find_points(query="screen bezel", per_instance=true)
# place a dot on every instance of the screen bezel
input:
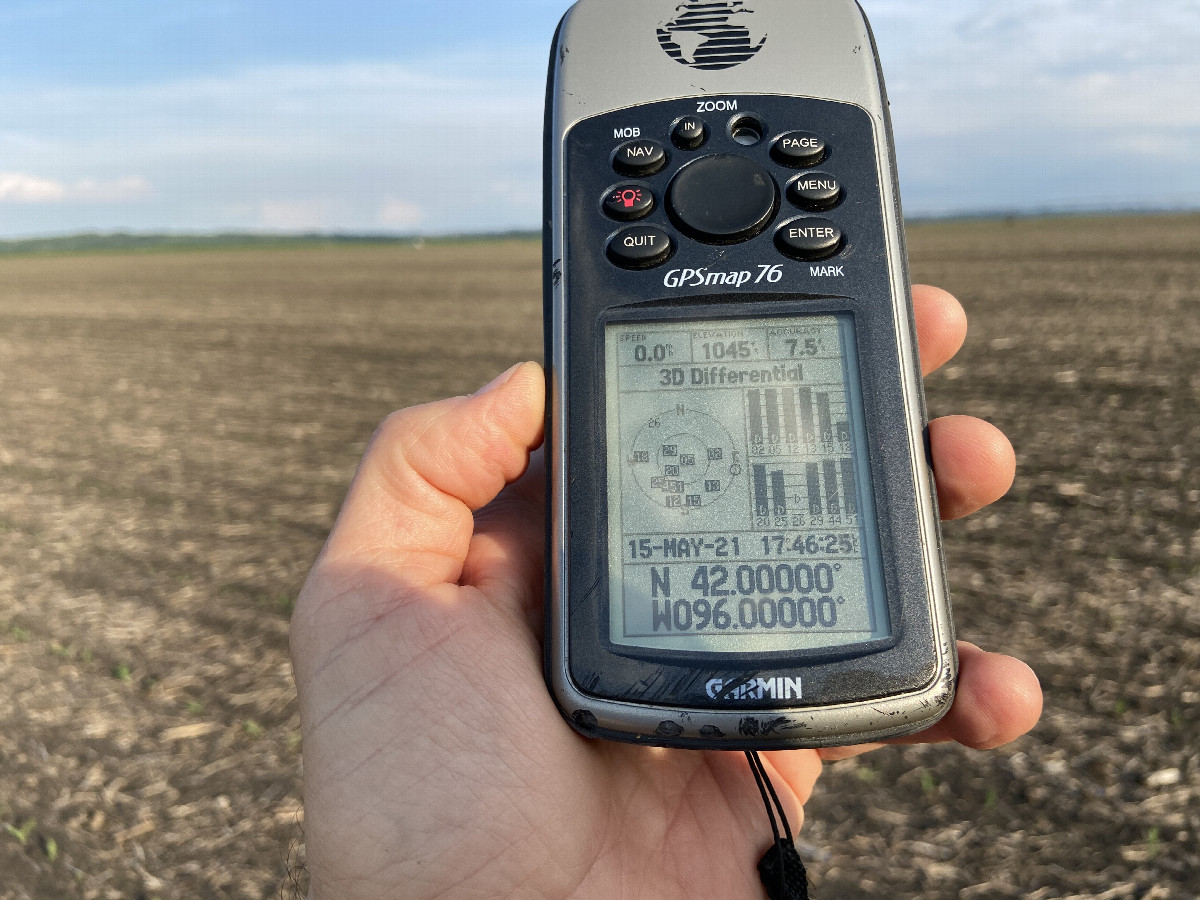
(902, 662)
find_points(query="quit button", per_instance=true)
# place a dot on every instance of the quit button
(639, 247)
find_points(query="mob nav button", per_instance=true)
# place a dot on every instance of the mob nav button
(639, 247)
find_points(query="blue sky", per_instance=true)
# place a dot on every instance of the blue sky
(405, 116)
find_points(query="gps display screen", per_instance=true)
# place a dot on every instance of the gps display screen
(740, 512)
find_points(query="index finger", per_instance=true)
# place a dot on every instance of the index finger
(941, 325)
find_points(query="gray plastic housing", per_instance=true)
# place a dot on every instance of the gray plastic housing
(608, 57)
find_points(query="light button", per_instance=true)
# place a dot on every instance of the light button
(628, 201)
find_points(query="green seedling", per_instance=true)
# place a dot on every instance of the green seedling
(1153, 842)
(252, 728)
(121, 672)
(928, 783)
(22, 833)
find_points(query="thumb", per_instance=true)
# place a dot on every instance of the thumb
(425, 470)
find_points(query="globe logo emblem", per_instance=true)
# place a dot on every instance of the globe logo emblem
(710, 35)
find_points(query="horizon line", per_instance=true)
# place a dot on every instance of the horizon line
(135, 237)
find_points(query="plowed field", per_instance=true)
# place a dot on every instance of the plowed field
(177, 430)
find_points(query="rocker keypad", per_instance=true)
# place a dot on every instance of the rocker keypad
(721, 195)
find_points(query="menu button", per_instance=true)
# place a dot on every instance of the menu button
(815, 191)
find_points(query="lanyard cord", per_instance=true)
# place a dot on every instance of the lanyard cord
(781, 869)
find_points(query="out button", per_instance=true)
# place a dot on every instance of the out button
(639, 247)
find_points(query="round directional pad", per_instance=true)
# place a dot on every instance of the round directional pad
(722, 198)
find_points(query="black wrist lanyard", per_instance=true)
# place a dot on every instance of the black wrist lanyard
(781, 869)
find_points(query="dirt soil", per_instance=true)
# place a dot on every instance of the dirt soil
(177, 430)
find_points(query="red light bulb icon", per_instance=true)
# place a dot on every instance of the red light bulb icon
(628, 201)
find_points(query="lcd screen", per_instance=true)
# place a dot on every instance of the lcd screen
(741, 517)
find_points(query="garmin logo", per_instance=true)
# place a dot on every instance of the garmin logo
(710, 35)
(753, 689)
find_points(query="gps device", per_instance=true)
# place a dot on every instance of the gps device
(743, 540)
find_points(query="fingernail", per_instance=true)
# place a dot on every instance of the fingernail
(500, 380)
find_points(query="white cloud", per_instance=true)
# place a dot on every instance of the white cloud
(517, 195)
(345, 147)
(118, 190)
(285, 101)
(1137, 144)
(400, 214)
(1015, 105)
(19, 187)
(290, 216)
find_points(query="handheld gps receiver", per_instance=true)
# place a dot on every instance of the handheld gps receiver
(743, 544)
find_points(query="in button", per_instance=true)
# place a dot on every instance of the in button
(688, 133)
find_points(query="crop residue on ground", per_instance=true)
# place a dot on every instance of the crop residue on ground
(177, 430)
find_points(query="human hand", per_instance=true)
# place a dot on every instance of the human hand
(435, 761)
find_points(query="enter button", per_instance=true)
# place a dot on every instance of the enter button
(808, 238)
